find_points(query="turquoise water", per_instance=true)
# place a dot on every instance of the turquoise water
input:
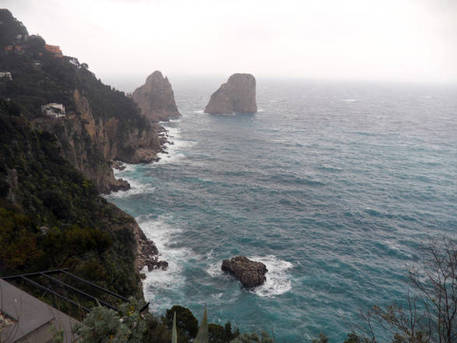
(334, 186)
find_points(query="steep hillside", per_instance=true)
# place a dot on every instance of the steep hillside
(99, 124)
(60, 128)
(51, 216)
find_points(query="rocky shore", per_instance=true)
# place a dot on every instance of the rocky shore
(147, 254)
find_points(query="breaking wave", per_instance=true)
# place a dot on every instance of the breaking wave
(278, 279)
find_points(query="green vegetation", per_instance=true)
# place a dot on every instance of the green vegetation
(52, 217)
(105, 325)
(174, 331)
(202, 335)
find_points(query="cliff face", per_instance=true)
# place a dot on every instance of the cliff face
(237, 95)
(51, 216)
(90, 143)
(101, 124)
(156, 98)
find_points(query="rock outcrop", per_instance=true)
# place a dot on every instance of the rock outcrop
(237, 95)
(147, 253)
(89, 143)
(156, 98)
(250, 273)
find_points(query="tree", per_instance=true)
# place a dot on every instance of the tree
(437, 283)
(431, 311)
(186, 322)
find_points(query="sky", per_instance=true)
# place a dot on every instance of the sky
(388, 40)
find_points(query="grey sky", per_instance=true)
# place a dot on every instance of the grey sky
(405, 40)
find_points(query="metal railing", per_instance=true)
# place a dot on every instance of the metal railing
(27, 277)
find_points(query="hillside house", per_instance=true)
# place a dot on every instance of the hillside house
(6, 75)
(54, 49)
(53, 110)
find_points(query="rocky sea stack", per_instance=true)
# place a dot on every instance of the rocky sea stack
(237, 95)
(250, 273)
(156, 98)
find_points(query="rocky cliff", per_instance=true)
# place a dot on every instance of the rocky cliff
(101, 124)
(237, 95)
(156, 98)
(51, 216)
(91, 143)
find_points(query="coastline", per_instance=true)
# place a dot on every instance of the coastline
(147, 253)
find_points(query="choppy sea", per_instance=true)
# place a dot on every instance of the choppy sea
(336, 187)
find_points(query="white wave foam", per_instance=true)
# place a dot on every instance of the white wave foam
(198, 112)
(135, 186)
(164, 236)
(170, 121)
(349, 100)
(127, 168)
(174, 149)
(215, 270)
(278, 280)
(260, 110)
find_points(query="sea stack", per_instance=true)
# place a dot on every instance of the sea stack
(237, 95)
(156, 98)
(250, 273)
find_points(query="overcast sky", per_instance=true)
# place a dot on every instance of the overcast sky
(404, 40)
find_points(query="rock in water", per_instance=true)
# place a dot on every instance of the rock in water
(156, 98)
(250, 273)
(237, 95)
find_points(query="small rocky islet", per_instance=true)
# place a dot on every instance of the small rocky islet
(237, 95)
(156, 98)
(250, 273)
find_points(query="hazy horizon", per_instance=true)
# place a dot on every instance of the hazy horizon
(399, 41)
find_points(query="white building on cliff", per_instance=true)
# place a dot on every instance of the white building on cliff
(53, 110)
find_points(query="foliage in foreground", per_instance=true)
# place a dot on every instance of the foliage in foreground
(430, 313)
(105, 325)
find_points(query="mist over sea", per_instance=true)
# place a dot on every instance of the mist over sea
(336, 187)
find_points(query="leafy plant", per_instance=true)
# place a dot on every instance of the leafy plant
(186, 323)
(202, 335)
(105, 325)
(174, 332)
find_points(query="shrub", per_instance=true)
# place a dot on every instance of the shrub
(105, 325)
(186, 323)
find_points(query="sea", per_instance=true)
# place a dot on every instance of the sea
(336, 186)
